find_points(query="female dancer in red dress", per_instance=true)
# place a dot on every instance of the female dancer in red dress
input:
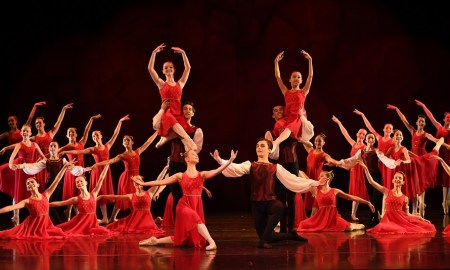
(294, 99)
(85, 222)
(426, 168)
(190, 226)
(100, 152)
(69, 188)
(314, 162)
(327, 217)
(132, 160)
(384, 143)
(357, 184)
(443, 131)
(396, 217)
(171, 90)
(26, 152)
(140, 220)
(13, 135)
(38, 224)
(44, 138)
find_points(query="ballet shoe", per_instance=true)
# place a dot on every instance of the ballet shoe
(149, 242)
(102, 221)
(211, 246)
(112, 220)
(15, 220)
(264, 245)
(354, 218)
(161, 142)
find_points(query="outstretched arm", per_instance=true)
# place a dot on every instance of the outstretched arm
(116, 131)
(101, 178)
(212, 173)
(187, 66)
(70, 201)
(444, 164)
(369, 177)
(151, 66)
(115, 197)
(83, 139)
(367, 123)
(58, 178)
(402, 117)
(280, 83)
(33, 111)
(108, 161)
(436, 124)
(55, 128)
(310, 73)
(147, 143)
(343, 131)
(169, 180)
(13, 207)
(344, 195)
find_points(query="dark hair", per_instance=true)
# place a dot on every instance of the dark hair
(421, 116)
(330, 174)
(40, 117)
(129, 136)
(269, 143)
(322, 135)
(190, 103)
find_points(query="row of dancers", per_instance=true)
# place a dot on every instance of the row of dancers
(275, 188)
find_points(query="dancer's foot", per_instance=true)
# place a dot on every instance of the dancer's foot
(112, 220)
(161, 142)
(149, 242)
(265, 245)
(102, 221)
(158, 220)
(274, 147)
(189, 144)
(354, 218)
(212, 245)
(15, 220)
(67, 214)
(422, 209)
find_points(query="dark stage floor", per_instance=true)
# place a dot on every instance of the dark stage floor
(236, 240)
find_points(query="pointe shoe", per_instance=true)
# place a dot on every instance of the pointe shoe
(445, 206)
(161, 142)
(211, 246)
(354, 218)
(149, 242)
(16, 220)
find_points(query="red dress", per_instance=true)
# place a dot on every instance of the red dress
(140, 220)
(327, 217)
(69, 188)
(44, 144)
(357, 183)
(125, 185)
(173, 114)
(107, 187)
(412, 186)
(189, 213)
(37, 225)
(386, 173)
(314, 163)
(294, 100)
(168, 220)
(6, 174)
(396, 221)
(85, 222)
(26, 154)
(444, 153)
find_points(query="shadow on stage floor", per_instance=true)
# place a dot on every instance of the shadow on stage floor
(236, 240)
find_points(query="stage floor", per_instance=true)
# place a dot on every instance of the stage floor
(236, 241)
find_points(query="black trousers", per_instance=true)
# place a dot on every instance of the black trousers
(287, 198)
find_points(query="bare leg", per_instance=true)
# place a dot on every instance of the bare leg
(153, 241)
(421, 204)
(184, 136)
(163, 140)
(283, 136)
(203, 231)
(354, 209)
(414, 206)
(444, 199)
(104, 219)
(114, 215)
(68, 212)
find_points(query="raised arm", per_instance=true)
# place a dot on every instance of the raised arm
(343, 131)
(147, 143)
(83, 139)
(368, 124)
(310, 73)
(280, 83)
(436, 124)
(33, 111)
(151, 66)
(116, 131)
(57, 125)
(212, 173)
(100, 180)
(402, 117)
(58, 178)
(187, 66)
(372, 182)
